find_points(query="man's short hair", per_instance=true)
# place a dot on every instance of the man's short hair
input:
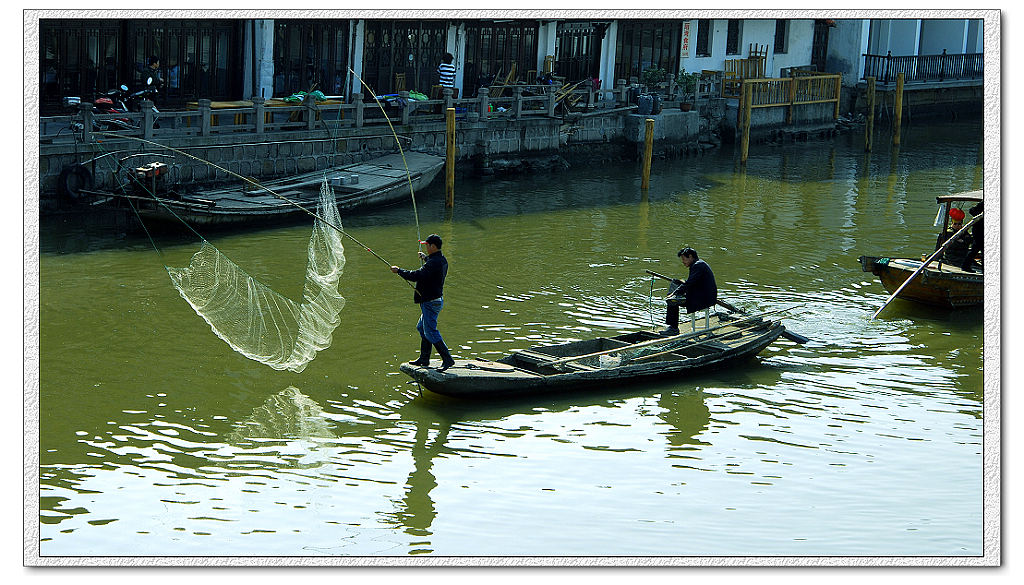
(688, 252)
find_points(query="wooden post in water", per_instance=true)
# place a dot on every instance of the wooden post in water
(449, 166)
(869, 128)
(897, 116)
(748, 94)
(645, 180)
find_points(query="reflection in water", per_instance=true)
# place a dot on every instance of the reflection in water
(191, 455)
(289, 414)
(687, 414)
(416, 510)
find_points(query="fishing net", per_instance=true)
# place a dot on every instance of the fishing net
(256, 321)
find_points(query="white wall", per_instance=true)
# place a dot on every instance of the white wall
(264, 59)
(975, 37)
(942, 34)
(847, 42)
(752, 32)
(607, 66)
(897, 36)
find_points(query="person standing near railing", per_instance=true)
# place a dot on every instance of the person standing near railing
(446, 71)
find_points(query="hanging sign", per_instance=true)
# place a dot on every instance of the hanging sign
(684, 52)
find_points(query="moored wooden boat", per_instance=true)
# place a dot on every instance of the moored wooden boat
(602, 362)
(356, 186)
(940, 283)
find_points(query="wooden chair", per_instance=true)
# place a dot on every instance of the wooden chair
(399, 82)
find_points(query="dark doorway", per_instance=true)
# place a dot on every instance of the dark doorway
(310, 55)
(647, 44)
(397, 52)
(819, 46)
(578, 50)
(493, 48)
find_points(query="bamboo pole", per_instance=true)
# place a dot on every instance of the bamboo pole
(674, 338)
(869, 128)
(839, 91)
(745, 141)
(449, 173)
(897, 117)
(792, 98)
(703, 341)
(645, 180)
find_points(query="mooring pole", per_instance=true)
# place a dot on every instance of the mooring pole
(645, 180)
(869, 128)
(748, 95)
(449, 165)
(897, 116)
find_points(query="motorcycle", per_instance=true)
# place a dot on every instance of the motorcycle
(115, 101)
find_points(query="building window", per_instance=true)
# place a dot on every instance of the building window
(704, 37)
(310, 55)
(496, 51)
(781, 36)
(647, 44)
(732, 40)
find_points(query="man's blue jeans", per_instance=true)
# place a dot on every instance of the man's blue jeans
(427, 325)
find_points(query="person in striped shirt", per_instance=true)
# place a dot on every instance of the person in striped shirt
(446, 71)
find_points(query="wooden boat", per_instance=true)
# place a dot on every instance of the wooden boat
(939, 284)
(376, 182)
(604, 361)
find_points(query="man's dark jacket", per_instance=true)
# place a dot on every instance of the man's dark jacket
(429, 278)
(700, 288)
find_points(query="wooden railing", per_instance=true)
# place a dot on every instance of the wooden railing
(734, 71)
(793, 91)
(925, 68)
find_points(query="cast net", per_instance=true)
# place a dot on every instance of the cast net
(259, 323)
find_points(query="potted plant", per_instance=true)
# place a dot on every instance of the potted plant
(688, 88)
(652, 76)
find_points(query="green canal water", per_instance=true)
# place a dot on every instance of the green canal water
(156, 439)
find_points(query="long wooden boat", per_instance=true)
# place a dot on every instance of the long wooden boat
(940, 284)
(362, 185)
(604, 361)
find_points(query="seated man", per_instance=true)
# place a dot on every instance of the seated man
(700, 290)
(956, 251)
(978, 238)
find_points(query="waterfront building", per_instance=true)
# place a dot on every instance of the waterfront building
(233, 59)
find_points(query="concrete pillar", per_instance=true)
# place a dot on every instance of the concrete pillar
(259, 107)
(484, 96)
(357, 99)
(148, 118)
(204, 117)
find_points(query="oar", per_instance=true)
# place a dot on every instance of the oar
(927, 262)
(680, 337)
(795, 337)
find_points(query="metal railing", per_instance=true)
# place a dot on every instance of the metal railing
(925, 68)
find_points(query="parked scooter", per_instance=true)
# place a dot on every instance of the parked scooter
(134, 101)
(115, 101)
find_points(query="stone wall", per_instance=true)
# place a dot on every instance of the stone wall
(274, 155)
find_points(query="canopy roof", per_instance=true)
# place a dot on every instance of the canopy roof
(972, 196)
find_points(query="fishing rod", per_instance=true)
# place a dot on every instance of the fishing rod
(401, 151)
(795, 337)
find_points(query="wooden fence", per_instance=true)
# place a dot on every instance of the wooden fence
(793, 91)
(734, 71)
